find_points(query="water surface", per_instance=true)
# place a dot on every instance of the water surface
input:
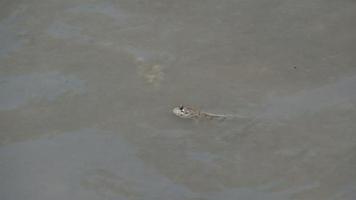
(87, 88)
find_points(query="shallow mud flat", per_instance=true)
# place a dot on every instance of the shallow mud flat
(87, 90)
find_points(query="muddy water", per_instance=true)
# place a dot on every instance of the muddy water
(87, 88)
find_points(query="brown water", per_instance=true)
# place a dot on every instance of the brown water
(87, 88)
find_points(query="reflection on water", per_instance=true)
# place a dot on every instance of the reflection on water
(105, 182)
(87, 89)
(22, 89)
(98, 164)
(85, 160)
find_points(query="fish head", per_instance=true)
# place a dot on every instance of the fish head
(185, 112)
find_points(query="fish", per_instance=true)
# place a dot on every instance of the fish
(189, 112)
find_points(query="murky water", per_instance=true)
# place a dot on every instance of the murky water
(87, 88)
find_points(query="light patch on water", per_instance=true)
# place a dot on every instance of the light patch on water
(347, 193)
(204, 157)
(11, 33)
(62, 30)
(259, 193)
(246, 193)
(341, 93)
(18, 90)
(104, 8)
(153, 74)
(95, 164)
(150, 64)
(144, 55)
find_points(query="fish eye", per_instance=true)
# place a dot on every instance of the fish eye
(181, 107)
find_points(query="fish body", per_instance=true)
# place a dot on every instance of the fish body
(188, 112)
